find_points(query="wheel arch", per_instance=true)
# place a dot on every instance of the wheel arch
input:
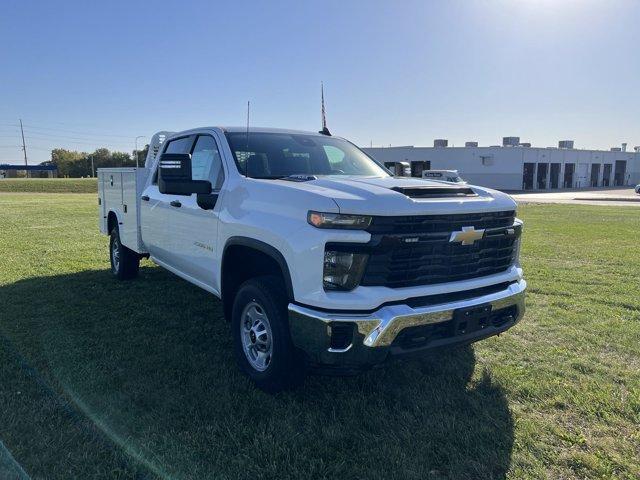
(113, 220)
(262, 255)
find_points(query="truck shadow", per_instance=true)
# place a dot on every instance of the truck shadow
(149, 364)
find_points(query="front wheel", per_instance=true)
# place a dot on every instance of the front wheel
(124, 261)
(262, 342)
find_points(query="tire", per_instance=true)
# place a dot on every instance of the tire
(124, 262)
(267, 356)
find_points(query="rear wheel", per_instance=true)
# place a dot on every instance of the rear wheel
(262, 342)
(124, 261)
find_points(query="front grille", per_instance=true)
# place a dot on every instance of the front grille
(440, 223)
(410, 251)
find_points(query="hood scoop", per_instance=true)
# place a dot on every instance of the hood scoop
(435, 192)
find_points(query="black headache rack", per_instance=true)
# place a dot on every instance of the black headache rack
(435, 192)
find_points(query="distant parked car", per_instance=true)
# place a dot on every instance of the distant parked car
(638, 189)
(398, 169)
(443, 175)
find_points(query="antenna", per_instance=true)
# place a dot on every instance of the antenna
(246, 167)
(325, 130)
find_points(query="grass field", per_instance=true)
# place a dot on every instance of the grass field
(101, 379)
(49, 185)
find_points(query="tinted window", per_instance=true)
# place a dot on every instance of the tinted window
(206, 163)
(179, 145)
(277, 155)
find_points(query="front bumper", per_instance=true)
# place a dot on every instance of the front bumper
(377, 335)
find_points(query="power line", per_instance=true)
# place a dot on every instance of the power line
(91, 144)
(66, 137)
(40, 148)
(76, 132)
(37, 132)
(82, 125)
(72, 142)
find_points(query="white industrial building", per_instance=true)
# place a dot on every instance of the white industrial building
(518, 166)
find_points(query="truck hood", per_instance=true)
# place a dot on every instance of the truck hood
(375, 196)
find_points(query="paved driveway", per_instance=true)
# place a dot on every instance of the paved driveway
(610, 196)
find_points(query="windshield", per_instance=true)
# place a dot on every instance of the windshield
(277, 155)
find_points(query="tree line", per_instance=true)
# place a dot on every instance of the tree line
(75, 164)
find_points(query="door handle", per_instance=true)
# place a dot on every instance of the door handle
(175, 203)
(145, 198)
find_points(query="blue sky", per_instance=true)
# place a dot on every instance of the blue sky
(88, 74)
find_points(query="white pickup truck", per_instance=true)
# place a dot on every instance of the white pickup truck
(321, 258)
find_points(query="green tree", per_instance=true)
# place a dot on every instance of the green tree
(142, 155)
(77, 164)
(66, 161)
(122, 159)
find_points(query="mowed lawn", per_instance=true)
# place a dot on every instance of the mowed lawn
(49, 185)
(103, 379)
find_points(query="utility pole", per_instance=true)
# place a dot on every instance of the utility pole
(93, 171)
(24, 147)
(139, 136)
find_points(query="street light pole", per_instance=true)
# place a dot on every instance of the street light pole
(136, 150)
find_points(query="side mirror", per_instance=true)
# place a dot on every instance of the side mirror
(174, 176)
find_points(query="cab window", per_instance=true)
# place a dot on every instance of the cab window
(179, 145)
(206, 163)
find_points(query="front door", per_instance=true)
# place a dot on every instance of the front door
(156, 209)
(194, 230)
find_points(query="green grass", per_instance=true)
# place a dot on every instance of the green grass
(49, 185)
(103, 379)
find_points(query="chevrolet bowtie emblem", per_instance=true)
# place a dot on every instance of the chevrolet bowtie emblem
(467, 235)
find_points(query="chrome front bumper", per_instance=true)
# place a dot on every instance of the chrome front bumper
(375, 332)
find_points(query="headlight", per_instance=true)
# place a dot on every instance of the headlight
(516, 256)
(343, 270)
(337, 220)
